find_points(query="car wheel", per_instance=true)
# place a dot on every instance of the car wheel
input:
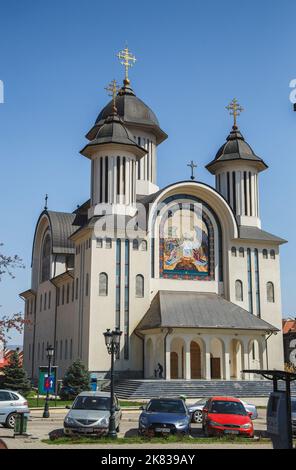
(10, 420)
(197, 417)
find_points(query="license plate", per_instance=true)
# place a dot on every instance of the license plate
(231, 432)
(162, 430)
(85, 430)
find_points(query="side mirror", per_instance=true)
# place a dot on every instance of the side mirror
(250, 414)
(68, 407)
(205, 410)
(142, 408)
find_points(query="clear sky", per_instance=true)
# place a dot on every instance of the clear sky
(193, 57)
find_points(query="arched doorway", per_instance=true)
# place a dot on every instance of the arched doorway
(174, 365)
(195, 360)
(217, 358)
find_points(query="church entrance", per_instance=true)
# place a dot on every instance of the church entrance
(215, 368)
(174, 365)
(195, 359)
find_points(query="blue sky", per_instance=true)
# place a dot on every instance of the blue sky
(193, 57)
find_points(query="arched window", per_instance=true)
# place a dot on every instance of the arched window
(272, 254)
(233, 251)
(139, 285)
(143, 245)
(270, 292)
(135, 244)
(108, 243)
(103, 284)
(241, 252)
(265, 254)
(45, 258)
(238, 290)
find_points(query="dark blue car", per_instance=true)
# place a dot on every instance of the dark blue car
(164, 416)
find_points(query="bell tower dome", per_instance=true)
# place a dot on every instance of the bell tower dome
(236, 168)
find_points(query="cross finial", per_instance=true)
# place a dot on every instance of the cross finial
(192, 165)
(45, 202)
(234, 109)
(112, 90)
(127, 59)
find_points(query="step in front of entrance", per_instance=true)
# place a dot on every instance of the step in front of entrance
(137, 389)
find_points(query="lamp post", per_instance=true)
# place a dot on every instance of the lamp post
(112, 340)
(50, 353)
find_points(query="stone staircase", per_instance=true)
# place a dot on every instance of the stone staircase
(145, 389)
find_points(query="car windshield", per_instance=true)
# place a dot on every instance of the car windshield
(166, 406)
(227, 407)
(91, 403)
(200, 402)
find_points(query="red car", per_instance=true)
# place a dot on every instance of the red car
(226, 415)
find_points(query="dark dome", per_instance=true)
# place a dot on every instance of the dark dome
(133, 111)
(235, 148)
(112, 131)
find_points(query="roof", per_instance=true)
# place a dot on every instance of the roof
(175, 309)
(236, 148)
(133, 111)
(94, 394)
(112, 131)
(61, 228)
(255, 233)
(289, 325)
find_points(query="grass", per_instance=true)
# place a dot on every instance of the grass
(33, 403)
(154, 440)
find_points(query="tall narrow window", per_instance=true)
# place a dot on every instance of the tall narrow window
(66, 349)
(135, 244)
(76, 288)
(58, 296)
(106, 178)
(265, 254)
(45, 301)
(45, 260)
(245, 193)
(118, 282)
(103, 284)
(68, 292)
(49, 299)
(228, 187)
(152, 258)
(250, 193)
(257, 283)
(86, 284)
(250, 291)
(234, 191)
(101, 179)
(123, 176)
(63, 295)
(108, 243)
(238, 290)
(61, 350)
(241, 252)
(272, 254)
(71, 348)
(73, 290)
(233, 251)
(118, 175)
(270, 292)
(139, 285)
(126, 299)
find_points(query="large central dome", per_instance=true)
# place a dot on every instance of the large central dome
(134, 113)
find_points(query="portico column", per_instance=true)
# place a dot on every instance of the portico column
(207, 358)
(187, 360)
(246, 359)
(168, 359)
(227, 359)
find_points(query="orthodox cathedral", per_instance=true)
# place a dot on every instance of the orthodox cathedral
(185, 272)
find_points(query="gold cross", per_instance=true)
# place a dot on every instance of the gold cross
(112, 90)
(234, 109)
(127, 59)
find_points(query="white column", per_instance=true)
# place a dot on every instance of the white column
(246, 358)
(227, 358)
(187, 360)
(207, 341)
(168, 360)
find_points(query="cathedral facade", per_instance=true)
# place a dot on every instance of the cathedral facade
(185, 272)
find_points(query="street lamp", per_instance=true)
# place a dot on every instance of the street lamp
(50, 353)
(112, 340)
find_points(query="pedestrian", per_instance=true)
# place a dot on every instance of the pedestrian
(160, 371)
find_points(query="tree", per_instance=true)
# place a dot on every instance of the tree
(15, 376)
(15, 321)
(75, 381)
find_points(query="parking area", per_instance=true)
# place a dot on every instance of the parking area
(39, 429)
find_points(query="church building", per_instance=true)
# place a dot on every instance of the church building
(185, 272)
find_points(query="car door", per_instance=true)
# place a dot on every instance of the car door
(6, 405)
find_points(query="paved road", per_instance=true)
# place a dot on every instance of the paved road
(39, 428)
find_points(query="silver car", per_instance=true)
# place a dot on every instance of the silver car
(196, 410)
(11, 402)
(90, 414)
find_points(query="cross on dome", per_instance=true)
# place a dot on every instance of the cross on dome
(127, 59)
(234, 109)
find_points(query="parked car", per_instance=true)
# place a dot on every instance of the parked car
(226, 415)
(293, 407)
(11, 402)
(89, 414)
(195, 410)
(164, 416)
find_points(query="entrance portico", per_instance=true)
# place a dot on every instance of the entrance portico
(192, 346)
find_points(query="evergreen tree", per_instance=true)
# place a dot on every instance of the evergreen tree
(76, 380)
(15, 376)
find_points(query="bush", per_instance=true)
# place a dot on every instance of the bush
(76, 380)
(15, 376)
